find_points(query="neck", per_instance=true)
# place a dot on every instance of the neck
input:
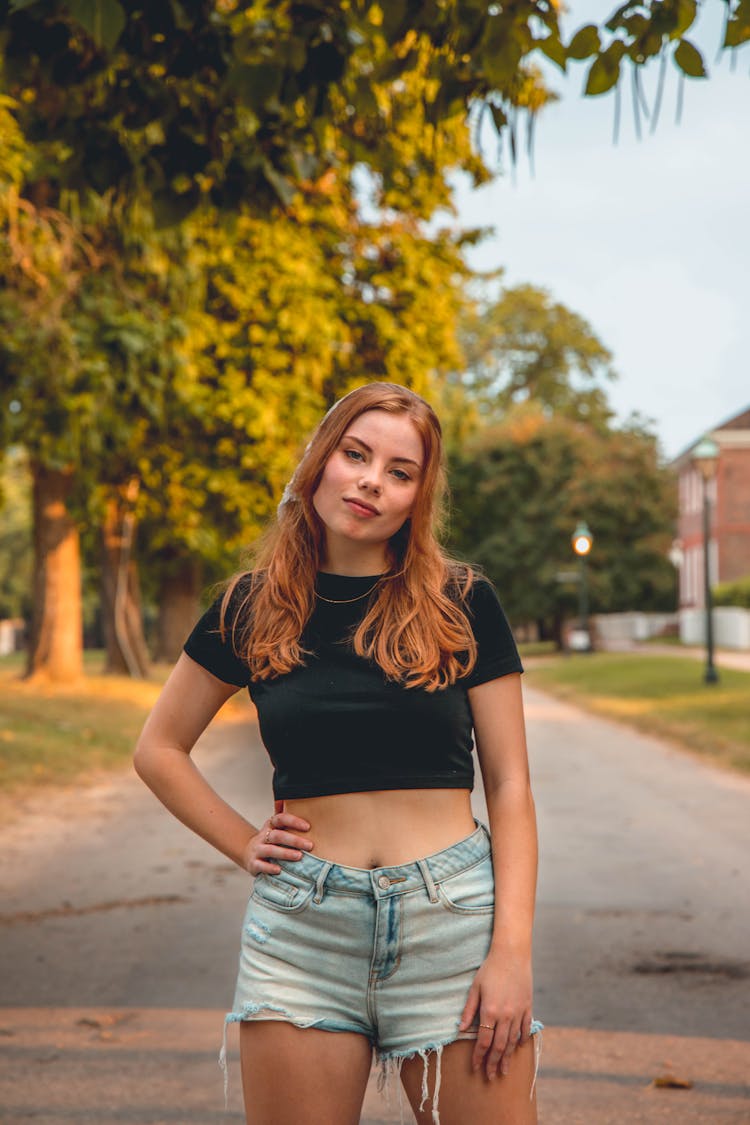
(354, 560)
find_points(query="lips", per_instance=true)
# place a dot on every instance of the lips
(361, 506)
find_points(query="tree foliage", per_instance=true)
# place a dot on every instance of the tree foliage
(15, 535)
(520, 487)
(231, 101)
(279, 317)
(526, 347)
(248, 99)
(194, 358)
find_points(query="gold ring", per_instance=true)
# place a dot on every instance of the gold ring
(268, 835)
(489, 1026)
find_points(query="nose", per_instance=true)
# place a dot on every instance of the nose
(370, 481)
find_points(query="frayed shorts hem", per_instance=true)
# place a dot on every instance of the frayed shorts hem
(389, 1062)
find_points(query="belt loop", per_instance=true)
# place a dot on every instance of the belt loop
(320, 882)
(429, 882)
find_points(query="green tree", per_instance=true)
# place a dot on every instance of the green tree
(196, 362)
(84, 354)
(15, 535)
(526, 347)
(97, 315)
(287, 315)
(238, 99)
(231, 100)
(522, 484)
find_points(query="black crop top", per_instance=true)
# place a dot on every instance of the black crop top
(337, 725)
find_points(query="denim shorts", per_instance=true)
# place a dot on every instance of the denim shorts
(389, 953)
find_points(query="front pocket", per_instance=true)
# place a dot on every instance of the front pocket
(471, 891)
(282, 894)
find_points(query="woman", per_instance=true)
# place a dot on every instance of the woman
(382, 914)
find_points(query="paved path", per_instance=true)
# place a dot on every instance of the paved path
(118, 936)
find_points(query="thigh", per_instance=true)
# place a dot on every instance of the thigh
(467, 1095)
(302, 1076)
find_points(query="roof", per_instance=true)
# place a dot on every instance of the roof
(739, 421)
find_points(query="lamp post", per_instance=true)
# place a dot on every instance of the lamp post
(582, 540)
(676, 556)
(705, 459)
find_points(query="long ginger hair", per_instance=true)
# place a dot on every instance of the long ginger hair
(415, 627)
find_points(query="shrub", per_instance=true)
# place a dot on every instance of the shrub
(733, 593)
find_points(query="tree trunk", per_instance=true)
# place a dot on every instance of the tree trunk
(558, 630)
(122, 619)
(56, 635)
(179, 605)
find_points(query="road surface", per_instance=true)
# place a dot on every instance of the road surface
(119, 936)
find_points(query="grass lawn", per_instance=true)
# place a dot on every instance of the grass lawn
(537, 648)
(60, 734)
(662, 695)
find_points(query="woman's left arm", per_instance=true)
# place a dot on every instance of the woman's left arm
(501, 993)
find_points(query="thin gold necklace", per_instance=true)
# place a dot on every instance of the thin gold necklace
(348, 601)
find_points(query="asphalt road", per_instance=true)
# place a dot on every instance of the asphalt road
(119, 934)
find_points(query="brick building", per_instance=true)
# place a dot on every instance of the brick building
(729, 494)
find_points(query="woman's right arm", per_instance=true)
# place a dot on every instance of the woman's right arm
(189, 700)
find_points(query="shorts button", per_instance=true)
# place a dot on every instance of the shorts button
(384, 882)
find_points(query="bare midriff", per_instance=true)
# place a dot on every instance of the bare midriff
(385, 827)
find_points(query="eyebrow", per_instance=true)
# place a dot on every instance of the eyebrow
(407, 460)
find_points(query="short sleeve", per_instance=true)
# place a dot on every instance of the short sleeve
(206, 646)
(497, 654)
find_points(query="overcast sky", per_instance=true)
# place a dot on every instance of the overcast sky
(648, 240)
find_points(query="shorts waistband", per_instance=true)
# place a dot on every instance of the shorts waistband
(381, 882)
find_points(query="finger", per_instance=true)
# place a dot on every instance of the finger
(287, 840)
(265, 867)
(497, 1048)
(470, 1009)
(485, 1036)
(494, 1055)
(510, 1046)
(276, 851)
(286, 820)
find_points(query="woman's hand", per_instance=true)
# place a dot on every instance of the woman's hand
(276, 839)
(500, 997)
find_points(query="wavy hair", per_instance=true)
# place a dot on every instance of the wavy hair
(415, 627)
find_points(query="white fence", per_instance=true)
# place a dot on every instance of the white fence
(620, 630)
(731, 627)
(11, 633)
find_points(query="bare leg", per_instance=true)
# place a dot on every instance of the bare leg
(302, 1076)
(467, 1095)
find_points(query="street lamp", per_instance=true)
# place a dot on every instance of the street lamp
(705, 460)
(582, 539)
(675, 554)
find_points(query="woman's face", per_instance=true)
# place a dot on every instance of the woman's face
(371, 480)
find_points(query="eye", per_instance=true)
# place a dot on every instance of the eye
(400, 474)
(353, 454)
